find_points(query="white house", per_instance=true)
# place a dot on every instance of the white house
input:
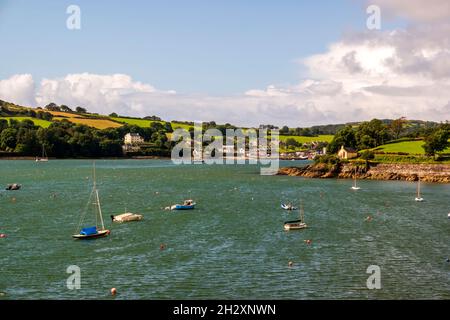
(347, 153)
(133, 138)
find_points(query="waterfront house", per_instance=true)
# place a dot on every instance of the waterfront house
(347, 153)
(133, 139)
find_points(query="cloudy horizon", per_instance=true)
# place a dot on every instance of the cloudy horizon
(364, 74)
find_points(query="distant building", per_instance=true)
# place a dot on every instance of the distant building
(133, 138)
(228, 149)
(347, 153)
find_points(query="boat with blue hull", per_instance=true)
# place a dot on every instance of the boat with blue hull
(97, 231)
(187, 205)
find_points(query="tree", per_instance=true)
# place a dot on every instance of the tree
(65, 108)
(3, 124)
(80, 110)
(344, 137)
(114, 115)
(436, 142)
(292, 143)
(367, 155)
(8, 139)
(52, 107)
(284, 130)
(396, 127)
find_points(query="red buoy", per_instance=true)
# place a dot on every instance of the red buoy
(2, 235)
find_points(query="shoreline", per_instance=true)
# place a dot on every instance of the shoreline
(98, 158)
(436, 173)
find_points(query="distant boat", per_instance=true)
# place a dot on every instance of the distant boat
(303, 158)
(44, 157)
(418, 197)
(96, 231)
(187, 205)
(127, 217)
(296, 224)
(354, 187)
(14, 186)
(288, 206)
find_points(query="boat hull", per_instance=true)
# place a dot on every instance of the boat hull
(294, 225)
(287, 207)
(99, 234)
(127, 217)
(182, 207)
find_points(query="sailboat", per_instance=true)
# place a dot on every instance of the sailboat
(44, 157)
(98, 230)
(296, 224)
(354, 187)
(418, 198)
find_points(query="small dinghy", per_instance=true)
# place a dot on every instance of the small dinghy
(13, 186)
(187, 205)
(127, 217)
(288, 206)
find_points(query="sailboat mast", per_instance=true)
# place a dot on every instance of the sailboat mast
(302, 218)
(97, 200)
(99, 209)
(418, 189)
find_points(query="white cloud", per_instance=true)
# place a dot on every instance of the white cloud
(18, 89)
(369, 74)
(419, 10)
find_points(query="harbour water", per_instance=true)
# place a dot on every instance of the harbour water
(232, 246)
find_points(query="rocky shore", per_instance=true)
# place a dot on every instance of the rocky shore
(383, 171)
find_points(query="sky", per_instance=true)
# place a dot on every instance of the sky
(244, 62)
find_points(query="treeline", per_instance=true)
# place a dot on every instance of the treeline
(371, 134)
(8, 109)
(410, 128)
(64, 139)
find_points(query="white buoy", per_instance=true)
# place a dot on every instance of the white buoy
(448, 215)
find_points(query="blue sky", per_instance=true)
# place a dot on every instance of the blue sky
(245, 62)
(206, 47)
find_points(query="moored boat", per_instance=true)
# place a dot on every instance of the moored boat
(14, 186)
(96, 231)
(187, 205)
(127, 217)
(288, 206)
(296, 224)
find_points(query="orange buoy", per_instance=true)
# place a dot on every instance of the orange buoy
(162, 246)
(113, 291)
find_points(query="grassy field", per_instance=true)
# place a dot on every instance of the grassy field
(410, 147)
(176, 125)
(138, 122)
(95, 123)
(37, 122)
(301, 139)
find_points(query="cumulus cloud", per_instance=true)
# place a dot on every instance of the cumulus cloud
(18, 89)
(418, 10)
(382, 74)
